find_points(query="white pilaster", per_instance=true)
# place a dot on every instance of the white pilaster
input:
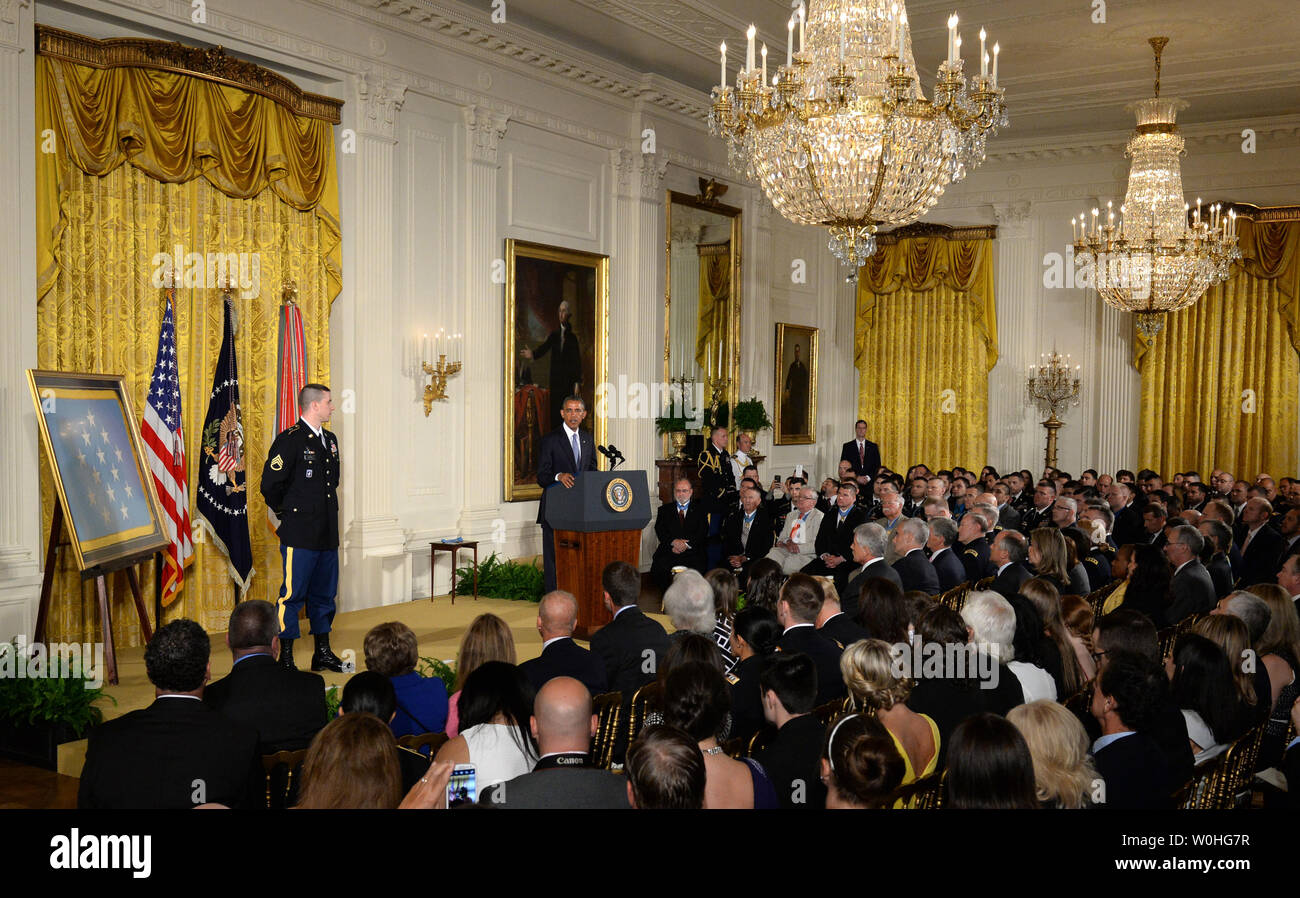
(1117, 390)
(1014, 439)
(20, 510)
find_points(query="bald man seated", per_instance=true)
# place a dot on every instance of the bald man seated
(564, 778)
(557, 617)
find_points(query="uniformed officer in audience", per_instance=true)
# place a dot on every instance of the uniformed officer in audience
(718, 490)
(300, 483)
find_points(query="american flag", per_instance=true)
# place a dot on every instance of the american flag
(164, 441)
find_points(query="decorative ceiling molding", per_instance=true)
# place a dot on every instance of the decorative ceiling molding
(1086, 147)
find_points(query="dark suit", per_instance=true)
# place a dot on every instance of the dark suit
(916, 572)
(1136, 773)
(1192, 592)
(151, 758)
(622, 645)
(1220, 574)
(974, 557)
(561, 787)
(1097, 565)
(565, 658)
(1007, 583)
(1260, 557)
(843, 630)
(835, 537)
(868, 463)
(825, 656)
(1009, 517)
(878, 568)
(949, 569)
(1128, 526)
(746, 702)
(793, 762)
(670, 526)
(286, 707)
(761, 538)
(556, 459)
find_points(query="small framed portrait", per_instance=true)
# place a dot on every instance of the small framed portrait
(92, 441)
(796, 384)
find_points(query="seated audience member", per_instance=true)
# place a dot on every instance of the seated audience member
(725, 591)
(869, 559)
(797, 609)
(1098, 561)
(765, 581)
(1049, 558)
(1121, 568)
(1261, 543)
(496, 703)
(914, 569)
(989, 767)
(1063, 660)
(286, 707)
(1036, 662)
(834, 548)
(564, 778)
(369, 693)
(947, 566)
(665, 770)
(1149, 581)
(1251, 679)
(696, 702)
(885, 612)
(487, 638)
(991, 621)
(1279, 649)
(352, 763)
(557, 618)
(1126, 702)
(1218, 539)
(1064, 775)
(860, 764)
(1078, 617)
(890, 513)
(632, 645)
(150, 758)
(1007, 556)
(1008, 514)
(685, 647)
(682, 527)
(833, 623)
(391, 651)
(1200, 683)
(936, 509)
(973, 547)
(797, 544)
(791, 758)
(755, 634)
(952, 692)
(1191, 591)
(747, 534)
(868, 670)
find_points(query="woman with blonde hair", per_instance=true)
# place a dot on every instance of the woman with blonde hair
(487, 638)
(868, 670)
(1047, 602)
(352, 763)
(1279, 646)
(1063, 772)
(1050, 558)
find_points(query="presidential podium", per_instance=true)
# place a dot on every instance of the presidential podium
(596, 521)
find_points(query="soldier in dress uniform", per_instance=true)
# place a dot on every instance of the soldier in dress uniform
(718, 493)
(300, 484)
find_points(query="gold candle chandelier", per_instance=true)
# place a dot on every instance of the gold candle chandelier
(1053, 387)
(1160, 256)
(841, 135)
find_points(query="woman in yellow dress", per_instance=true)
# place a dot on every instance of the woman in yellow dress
(868, 670)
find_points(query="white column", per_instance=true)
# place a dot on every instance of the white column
(376, 553)
(484, 327)
(21, 541)
(755, 369)
(1117, 391)
(1015, 440)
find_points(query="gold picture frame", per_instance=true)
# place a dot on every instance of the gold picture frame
(92, 441)
(795, 388)
(539, 278)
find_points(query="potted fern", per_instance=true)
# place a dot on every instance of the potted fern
(40, 711)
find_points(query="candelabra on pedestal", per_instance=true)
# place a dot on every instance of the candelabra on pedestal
(1052, 387)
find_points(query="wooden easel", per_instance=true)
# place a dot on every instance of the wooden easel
(98, 574)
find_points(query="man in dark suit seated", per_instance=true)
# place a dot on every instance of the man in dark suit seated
(564, 778)
(682, 527)
(565, 452)
(869, 561)
(178, 752)
(1008, 515)
(947, 566)
(1217, 535)
(557, 617)
(1008, 554)
(1126, 698)
(747, 535)
(793, 758)
(1261, 545)
(837, 626)
(972, 546)
(631, 645)
(863, 455)
(914, 569)
(796, 610)
(1192, 589)
(286, 707)
(834, 544)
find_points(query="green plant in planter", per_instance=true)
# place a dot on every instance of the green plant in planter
(432, 667)
(333, 698)
(502, 579)
(671, 424)
(752, 415)
(50, 701)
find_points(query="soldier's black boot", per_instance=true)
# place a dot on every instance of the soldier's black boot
(323, 658)
(286, 654)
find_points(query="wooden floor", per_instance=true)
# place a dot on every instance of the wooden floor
(24, 787)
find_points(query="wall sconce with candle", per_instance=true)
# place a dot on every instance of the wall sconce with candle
(444, 346)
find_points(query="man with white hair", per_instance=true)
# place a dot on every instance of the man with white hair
(1250, 609)
(797, 543)
(947, 566)
(1008, 553)
(973, 547)
(869, 555)
(557, 616)
(1192, 589)
(914, 569)
(991, 627)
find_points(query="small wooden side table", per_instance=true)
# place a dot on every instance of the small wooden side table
(453, 548)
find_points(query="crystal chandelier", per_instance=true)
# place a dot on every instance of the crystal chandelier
(841, 136)
(1161, 257)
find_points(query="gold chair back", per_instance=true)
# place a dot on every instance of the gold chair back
(414, 742)
(608, 708)
(645, 700)
(277, 795)
(923, 795)
(955, 598)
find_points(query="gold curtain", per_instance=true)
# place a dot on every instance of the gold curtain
(924, 341)
(1241, 336)
(715, 303)
(213, 170)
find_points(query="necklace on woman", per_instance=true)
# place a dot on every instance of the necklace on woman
(713, 751)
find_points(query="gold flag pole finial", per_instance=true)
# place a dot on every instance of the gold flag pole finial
(1158, 44)
(289, 292)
